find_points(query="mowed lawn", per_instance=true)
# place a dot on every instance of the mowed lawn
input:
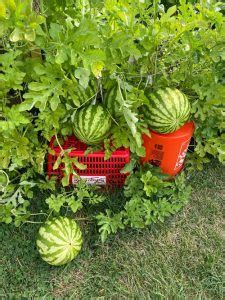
(181, 258)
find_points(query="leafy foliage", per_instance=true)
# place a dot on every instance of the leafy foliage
(49, 60)
(150, 198)
(74, 200)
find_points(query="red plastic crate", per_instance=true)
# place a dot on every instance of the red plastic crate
(100, 171)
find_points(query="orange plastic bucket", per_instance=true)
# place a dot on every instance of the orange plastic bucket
(168, 151)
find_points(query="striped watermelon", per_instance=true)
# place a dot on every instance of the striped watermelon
(112, 101)
(59, 241)
(92, 124)
(168, 110)
(83, 95)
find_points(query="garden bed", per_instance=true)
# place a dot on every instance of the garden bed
(109, 73)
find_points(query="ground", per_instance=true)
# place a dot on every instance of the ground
(181, 258)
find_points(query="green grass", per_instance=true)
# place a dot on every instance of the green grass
(179, 259)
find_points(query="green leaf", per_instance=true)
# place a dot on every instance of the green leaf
(11, 5)
(30, 35)
(55, 202)
(57, 163)
(74, 205)
(2, 11)
(54, 102)
(38, 86)
(16, 35)
(171, 11)
(39, 69)
(131, 119)
(61, 56)
(65, 180)
(26, 105)
(79, 165)
(129, 167)
(109, 224)
(55, 31)
(83, 76)
(97, 68)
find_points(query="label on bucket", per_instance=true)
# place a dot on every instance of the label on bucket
(157, 155)
(182, 154)
(98, 180)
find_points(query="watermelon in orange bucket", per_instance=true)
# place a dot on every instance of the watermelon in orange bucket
(168, 151)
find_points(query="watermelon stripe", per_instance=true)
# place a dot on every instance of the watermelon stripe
(82, 120)
(112, 101)
(49, 236)
(95, 118)
(67, 228)
(159, 124)
(115, 102)
(59, 224)
(88, 119)
(54, 252)
(43, 248)
(70, 225)
(57, 232)
(172, 95)
(80, 95)
(77, 234)
(178, 104)
(182, 102)
(83, 94)
(156, 115)
(156, 104)
(187, 108)
(62, 259)
(46, 248)
(160, 121)
(82, 117)
(101, 124)
(166, 105)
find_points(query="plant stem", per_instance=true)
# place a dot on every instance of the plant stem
(57, 140)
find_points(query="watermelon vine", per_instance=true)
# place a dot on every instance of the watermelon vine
(113, 54)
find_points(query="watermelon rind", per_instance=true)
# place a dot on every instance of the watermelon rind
(59, 241)
(92, 124)
(81, 95)
(168, 110)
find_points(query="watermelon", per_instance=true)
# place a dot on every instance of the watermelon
(168, 109)
(59, 241)
(82, 95)
(92, 124)
(113, 102)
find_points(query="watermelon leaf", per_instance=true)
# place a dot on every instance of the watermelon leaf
(83, 75)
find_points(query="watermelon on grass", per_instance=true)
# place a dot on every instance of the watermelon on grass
(92, 124)
(167, 111)
(59, 241)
